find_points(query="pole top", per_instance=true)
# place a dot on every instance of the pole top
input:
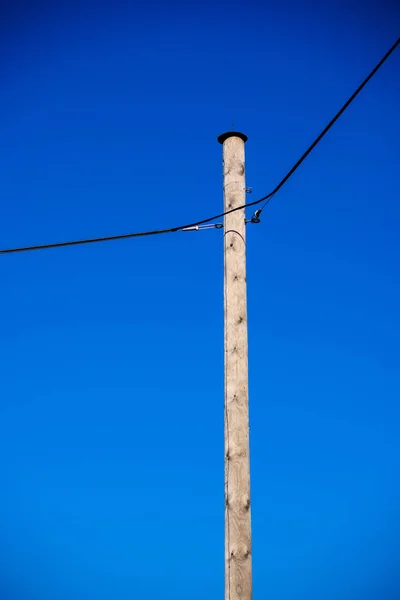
(224, 136)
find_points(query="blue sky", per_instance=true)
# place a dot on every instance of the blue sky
(111, 387)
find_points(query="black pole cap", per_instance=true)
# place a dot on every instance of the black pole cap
(224, 136)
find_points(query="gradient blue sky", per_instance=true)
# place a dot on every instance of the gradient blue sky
(111, 383)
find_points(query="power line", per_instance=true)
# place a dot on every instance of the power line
(86, 241)
(110, 238)
(265, 199)
(268, 197)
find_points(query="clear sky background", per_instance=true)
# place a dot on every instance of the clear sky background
(111, 355)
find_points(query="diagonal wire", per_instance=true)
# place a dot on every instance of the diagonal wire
(265, 199)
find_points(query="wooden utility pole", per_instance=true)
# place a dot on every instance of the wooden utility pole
(238, 556)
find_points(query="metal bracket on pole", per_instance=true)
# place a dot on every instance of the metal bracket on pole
(255, 218)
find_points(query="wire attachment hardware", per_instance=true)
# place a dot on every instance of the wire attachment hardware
(255, 218)
(201, 227)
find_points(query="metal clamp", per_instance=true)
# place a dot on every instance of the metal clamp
(255, 218)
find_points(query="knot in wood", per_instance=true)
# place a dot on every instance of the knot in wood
(240, 553)
(246, 504)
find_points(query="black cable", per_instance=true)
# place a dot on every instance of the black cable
(266, 199)
(86, 241)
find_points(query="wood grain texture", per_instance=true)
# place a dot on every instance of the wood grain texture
(238, 556)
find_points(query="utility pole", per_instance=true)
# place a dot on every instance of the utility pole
(238, 553)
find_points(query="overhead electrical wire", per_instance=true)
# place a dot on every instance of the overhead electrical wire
(197, 224)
